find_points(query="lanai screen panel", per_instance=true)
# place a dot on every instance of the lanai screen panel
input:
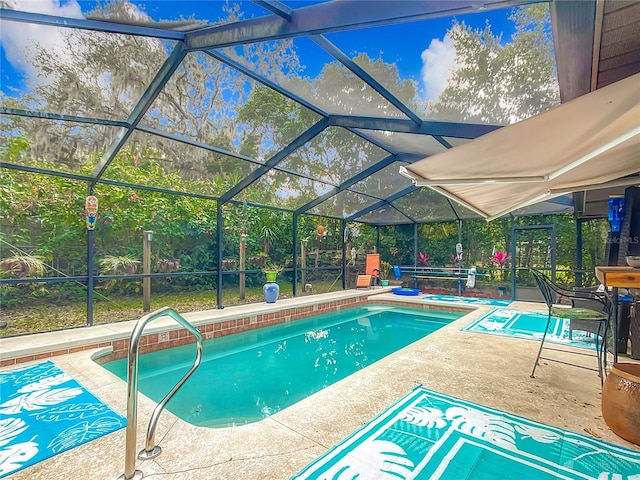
(386, 215)
(463, 212)
(176, 166)
(79, 72)
(283, 190)
(209, 102)
(385, 54)
(413, 71)
(383, 183)
(416, 72)
(407, 142)
(424, 205)
(53, 144)
(344, 204)
(310, 73)
(333, 156)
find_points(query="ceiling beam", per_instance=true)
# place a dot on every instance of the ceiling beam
(63, 117)
(84, 24)
(193, 143)
(427, 127)
(274, 6)
(334, 16)
(265, 81)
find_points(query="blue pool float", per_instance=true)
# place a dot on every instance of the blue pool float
(409, 292)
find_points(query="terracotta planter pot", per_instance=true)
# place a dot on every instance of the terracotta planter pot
(621, 401)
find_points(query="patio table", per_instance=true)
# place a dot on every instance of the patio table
(618, 277)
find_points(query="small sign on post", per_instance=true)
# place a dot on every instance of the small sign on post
(91, 210)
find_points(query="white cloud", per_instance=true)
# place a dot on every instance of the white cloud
(21, 42)
(437, 63)
(17, 39)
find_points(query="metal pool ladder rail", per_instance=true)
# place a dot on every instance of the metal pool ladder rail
(151, 450)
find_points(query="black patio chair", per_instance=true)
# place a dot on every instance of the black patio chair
(589, 311)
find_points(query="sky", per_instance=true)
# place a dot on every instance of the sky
(421, 50)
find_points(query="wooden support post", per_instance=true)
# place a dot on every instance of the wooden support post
(243, 250)
(146, 270)
(303, 262)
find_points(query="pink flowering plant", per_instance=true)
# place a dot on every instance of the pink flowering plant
(500, 259)
(423, 258)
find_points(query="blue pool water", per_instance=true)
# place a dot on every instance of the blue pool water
(248, 376)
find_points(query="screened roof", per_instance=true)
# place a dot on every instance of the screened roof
(291, 105)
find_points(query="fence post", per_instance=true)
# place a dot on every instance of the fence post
(146, 269)
(91, 213)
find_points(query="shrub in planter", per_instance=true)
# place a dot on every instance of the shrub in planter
(168, 265)
(258, 260)
(229, 264)
(119, 265)
(23, 265)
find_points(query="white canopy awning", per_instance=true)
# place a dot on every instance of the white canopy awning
(582, 144)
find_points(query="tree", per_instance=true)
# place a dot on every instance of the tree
(501, 83)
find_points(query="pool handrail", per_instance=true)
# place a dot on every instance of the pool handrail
(151, 450)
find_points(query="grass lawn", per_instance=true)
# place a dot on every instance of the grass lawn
(41, 315)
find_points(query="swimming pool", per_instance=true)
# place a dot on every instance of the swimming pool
(249, 376)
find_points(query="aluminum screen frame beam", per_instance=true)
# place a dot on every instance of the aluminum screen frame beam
(42, 171)
(427, 127)
(116, 183)
(334, 16)
(84, 24)
(274, 6)
(442, 141)
(193, 143)
(63, 117)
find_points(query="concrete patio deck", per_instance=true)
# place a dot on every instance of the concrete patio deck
(485, 369)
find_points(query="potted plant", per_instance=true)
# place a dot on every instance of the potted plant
(271, 271)
(271, 289)
(385, 269)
